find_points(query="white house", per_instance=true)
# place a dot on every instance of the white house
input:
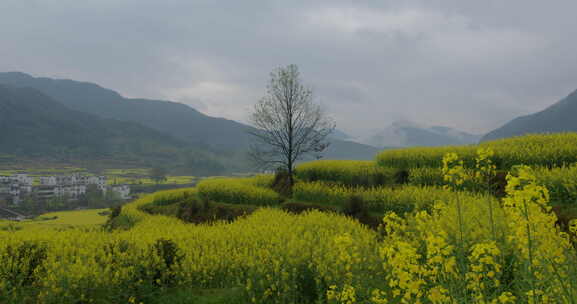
(47, 180)
(23, 179)
(14, 186)
(72, 186)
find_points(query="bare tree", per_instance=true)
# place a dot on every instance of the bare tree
(288, 125)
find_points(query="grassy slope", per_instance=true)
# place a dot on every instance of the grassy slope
(77, 218)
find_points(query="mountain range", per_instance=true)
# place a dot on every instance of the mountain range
(410, 134)
(69, 120)
(176, 119)
(100, 121)
(559, 117)
(33, 124)
(35, 128)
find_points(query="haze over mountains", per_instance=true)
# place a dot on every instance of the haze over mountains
(180, 124)
(559, 117)
(72, 119)
(409, 134)
(176, 119)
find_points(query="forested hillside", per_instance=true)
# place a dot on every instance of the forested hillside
(560, 117)
(175, 119)
(36, 126)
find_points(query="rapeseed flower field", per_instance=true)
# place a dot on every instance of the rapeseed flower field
(438, 243)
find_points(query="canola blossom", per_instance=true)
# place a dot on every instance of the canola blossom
(381, 199)
(551, 150)
(435, 245)
(271, 244)
(239, 190)
(347, 172)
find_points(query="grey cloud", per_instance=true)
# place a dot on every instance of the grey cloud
(467, 64)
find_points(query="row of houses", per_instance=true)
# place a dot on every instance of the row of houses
(14, 187)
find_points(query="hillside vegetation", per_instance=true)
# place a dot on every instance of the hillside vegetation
(218, 142)
(559, 117)
(60, 220)
(33, 124)
(473, 236)
(39, 128)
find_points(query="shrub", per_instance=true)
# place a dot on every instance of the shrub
(498, 183)
(115, 212)
(355, 206)
(167, 258)
(21, 263)
(121, 222)
(401, 176)
(202, 211)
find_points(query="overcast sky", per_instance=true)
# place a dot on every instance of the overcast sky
(472, 64)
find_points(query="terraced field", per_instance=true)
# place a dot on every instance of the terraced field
(76, 218)
(475, 224)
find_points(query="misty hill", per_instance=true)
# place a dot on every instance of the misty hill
(409, 134)
(173, 118)
(340, 135)
(559, 117)
(176, 119)
(35, 127)
(344, 149)
(33, 124)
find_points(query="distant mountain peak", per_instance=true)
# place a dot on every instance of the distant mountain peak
(405, 133)
(559, 117)
(175, 119)
(20, 75)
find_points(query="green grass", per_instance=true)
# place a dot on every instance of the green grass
(44, 171)
(133, 171)
(135, 176)
(76, 218)
(170, 180)
(139, 176)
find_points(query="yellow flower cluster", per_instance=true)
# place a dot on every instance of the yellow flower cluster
(414, 277)
(484, 270)
(426, 176)
(485, 168)
(462, 250)
(348, 172)
(345, 296)
(380, 199)
(455, 247)
(560, 182)
(453, 171)
(270, 252)
(249, 191)
(538, 241)
(534, 150)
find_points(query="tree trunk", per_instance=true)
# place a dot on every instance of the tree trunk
(290, 176)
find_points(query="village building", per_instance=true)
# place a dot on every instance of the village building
(14, 187)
